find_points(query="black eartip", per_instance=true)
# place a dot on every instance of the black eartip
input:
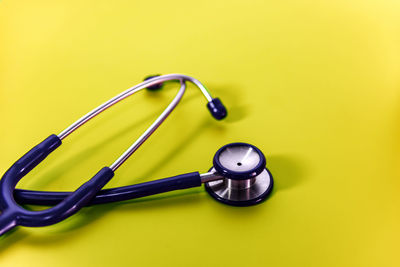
(217, 109)
(153, 87)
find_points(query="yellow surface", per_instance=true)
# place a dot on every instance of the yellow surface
(314, 84)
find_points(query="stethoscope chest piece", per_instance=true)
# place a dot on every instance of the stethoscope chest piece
(246, 180)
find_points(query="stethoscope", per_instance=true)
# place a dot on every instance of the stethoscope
(239, 176)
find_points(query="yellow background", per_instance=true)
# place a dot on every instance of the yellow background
(314, 84)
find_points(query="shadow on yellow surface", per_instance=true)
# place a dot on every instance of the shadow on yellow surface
(290, 171)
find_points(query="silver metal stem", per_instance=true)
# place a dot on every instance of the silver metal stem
(210, 176)
(150, 130)
(240, 184)
(156, 123)
(129, 92)
(230, 183)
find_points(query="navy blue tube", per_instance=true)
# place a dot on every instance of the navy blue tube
(22, 166)
(13, 214)
(183, 181)
(69, 205)
(8, 220)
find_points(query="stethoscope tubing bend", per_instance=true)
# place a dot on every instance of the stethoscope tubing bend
(13, 214)
(65, 204)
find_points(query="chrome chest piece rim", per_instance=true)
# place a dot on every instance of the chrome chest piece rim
(239, 161)
(246, 179)
(245, 193)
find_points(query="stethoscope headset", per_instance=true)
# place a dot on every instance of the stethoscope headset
(239, 176)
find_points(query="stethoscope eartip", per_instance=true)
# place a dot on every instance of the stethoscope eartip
(155, 87)
(217, 109)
